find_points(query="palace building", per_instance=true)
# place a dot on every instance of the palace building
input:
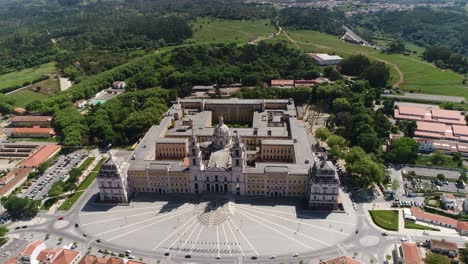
(237, 146)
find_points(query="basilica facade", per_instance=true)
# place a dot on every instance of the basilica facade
(255, 147)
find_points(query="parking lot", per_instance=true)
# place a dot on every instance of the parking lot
(420, 184)
(58, 171)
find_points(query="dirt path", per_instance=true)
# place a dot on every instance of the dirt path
(401, 78)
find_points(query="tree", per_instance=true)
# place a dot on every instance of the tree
(388, 105)
(441, 177)
(438, 157)
(334, 75)
(378, 74)
(322, 133)
(408, 127)
(19, 207)
(368, 141)
(434, 258)
(463, 177)
(354, 65)
(458, 158)
(396, 46)
(403, 150)
(334, 140)
(3, 231)
(363, 169)
(341, 105)
(395, 185)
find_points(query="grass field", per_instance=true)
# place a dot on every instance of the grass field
(386, 219)
(25, 97)
(412, 225)
(446, 163)
(418, 75)
(26, 75)
(227, 31)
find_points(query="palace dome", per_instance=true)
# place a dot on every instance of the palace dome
(221, 135)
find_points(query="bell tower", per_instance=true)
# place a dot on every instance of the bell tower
(195, 155)
(238, 155)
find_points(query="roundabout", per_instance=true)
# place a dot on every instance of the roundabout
(212, 227)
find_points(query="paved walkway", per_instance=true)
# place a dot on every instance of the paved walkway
(427, 97)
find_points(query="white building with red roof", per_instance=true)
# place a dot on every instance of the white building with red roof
(429, 114)
(282, 83)
(441, 131)
(30, 253)
(407, 253)
(342, 260)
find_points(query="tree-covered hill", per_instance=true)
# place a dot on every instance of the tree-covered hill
(422, 26)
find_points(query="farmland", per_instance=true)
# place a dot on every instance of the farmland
(227, 31)
(25, 97)
(27, 75)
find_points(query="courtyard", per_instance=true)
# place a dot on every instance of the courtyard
(216, 225)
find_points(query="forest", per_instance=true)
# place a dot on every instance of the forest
(176, 72)
(422, 26)
(110, 31)
(322, 20)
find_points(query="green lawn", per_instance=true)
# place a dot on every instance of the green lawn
(26, 75)
(412, 225)
(426, 161)
(51, 139)
(25, 97)
(386, 219)
(418, 74)
(83, 186)
(240, 31)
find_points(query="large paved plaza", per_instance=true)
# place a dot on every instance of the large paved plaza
(215, 226)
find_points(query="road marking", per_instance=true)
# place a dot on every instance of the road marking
(185, 242)
(173, 233)
(294, 214)
(289, 229)
(137, 223)
(235, 238)
(279, 232)
(226, 238)
(132, 209)
(129, 232)
(111, 219)
(217, 238)
(211, 219)
(180, 236)
(242, 234)
(296, 221)
(196, 239)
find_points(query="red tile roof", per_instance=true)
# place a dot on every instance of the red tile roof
(410, 253)
(11, 261)
(20, 175)
(429, 114)
(43, 254)
(135, 262)
(88, 259)
(40, 156)
(442, 244)
(18, 131)
(463, 226)
(31, 119)
(449, 196)
(31, 247)
(420, 214)
(342, 260)
(66, 256)
(282, 82)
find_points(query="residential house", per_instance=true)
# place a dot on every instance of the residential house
(342, 260)
(449, 202)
